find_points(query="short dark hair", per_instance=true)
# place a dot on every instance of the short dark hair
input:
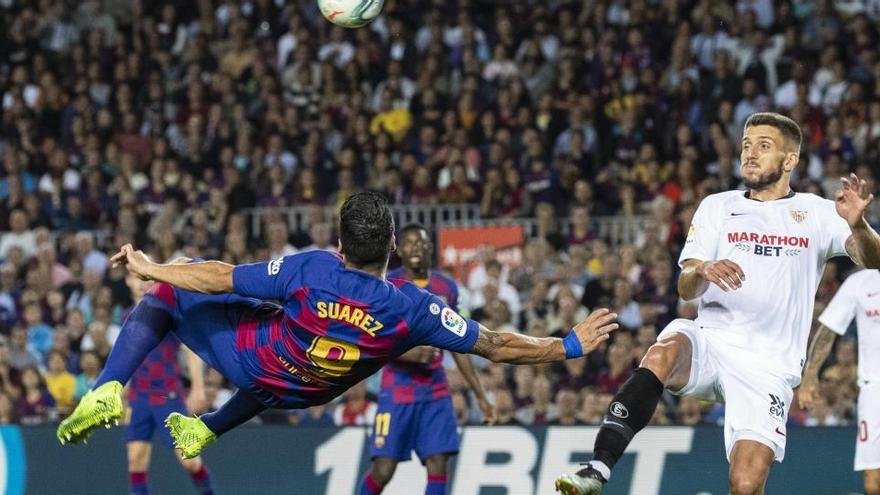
(791, 132)
(366, 226)
(412, 227)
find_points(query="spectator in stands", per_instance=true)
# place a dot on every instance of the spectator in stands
(618, 371)
(592, 409)
(39, 334)
(575, 375)
(278, 241)
(18, 236)
(356, 409)
(504, 409)
(567, 408)
(60, 383)
(523, 379)
(313, 416)
(90, 363)
(7, 410)
(321, 235)
(599, 291)
(541, 411)
(690, 411)
(35, 405)
(20, 354)
(628, 311)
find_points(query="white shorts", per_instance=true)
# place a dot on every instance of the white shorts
(868, 436)
(756, 401)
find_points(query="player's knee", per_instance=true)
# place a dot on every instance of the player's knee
(383, 470)
(437, 464)
(660, 359)
(744, 483)
(872, 485)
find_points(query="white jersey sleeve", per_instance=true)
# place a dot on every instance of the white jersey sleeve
(836, 230)
(842, 309)
(703, 234)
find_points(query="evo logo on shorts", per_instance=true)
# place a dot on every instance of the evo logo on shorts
(777, 406)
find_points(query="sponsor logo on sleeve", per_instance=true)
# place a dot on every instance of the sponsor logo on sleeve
(453, 322)
(274, 266)
(691, 231)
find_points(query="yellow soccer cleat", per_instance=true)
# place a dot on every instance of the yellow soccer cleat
(101, 406)
(190, 434)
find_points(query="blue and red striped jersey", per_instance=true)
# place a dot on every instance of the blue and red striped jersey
(338, 327)
(408, 382)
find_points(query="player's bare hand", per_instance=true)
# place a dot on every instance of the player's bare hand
(490, 416)
(594, 329)
(852, 199)
(808, 391)
(135, 261)
(726, 274)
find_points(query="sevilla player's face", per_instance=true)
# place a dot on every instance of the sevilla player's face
(764, 157)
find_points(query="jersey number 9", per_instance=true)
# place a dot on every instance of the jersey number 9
(332, 357)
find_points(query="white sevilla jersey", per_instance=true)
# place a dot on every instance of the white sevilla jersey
(859, 297)
(782, 247)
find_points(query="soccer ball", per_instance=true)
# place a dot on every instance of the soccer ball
(350, 13)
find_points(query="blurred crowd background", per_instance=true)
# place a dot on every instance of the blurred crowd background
(162, 123)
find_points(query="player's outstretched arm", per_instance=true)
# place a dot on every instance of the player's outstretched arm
(820, 348)
(515, 348)
(207, 277)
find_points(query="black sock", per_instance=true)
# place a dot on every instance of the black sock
(630, 411)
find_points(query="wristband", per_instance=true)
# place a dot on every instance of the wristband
(572, 345)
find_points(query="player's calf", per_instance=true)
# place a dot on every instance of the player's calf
(631, 410)
(198, 472)
(438, 478)
(380, 474)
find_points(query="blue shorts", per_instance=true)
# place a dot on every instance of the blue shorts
(428, 427)
(207, 324)
(147, 419)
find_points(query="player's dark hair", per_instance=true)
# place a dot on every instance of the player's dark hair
(366, 226)
(413, 227)
(791, 132)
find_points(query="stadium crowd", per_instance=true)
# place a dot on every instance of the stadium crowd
(158, 123)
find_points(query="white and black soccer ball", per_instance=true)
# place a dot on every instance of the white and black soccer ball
(350, 13)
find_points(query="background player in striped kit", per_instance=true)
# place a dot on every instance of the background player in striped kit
(415, 408)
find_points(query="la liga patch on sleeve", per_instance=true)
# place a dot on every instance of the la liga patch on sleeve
(453, 322)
